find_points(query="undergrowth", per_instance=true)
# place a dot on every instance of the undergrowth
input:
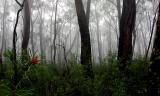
(45, 79)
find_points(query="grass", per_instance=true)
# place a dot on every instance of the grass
(46, 79)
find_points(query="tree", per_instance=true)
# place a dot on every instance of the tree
(14, 59)
(41, 37)
(3, 37)
(26, 30)
(154, 73)
(88, 10)
(85, 38)
(26, 25)
(32, 25)
(55, 33)
(98, 34)
(127, 24)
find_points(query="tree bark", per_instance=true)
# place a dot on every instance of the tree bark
(127, 24)
(85, 39)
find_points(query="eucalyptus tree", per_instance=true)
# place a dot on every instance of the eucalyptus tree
(55, 32)
(127, 24)
(85, 39)
(26, 28)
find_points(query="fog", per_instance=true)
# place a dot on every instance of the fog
(103, 26)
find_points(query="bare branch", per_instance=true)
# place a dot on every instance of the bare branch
(19, 3)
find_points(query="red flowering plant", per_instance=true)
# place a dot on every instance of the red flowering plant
(35, 60)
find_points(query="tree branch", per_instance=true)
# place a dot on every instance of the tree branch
(21, 5)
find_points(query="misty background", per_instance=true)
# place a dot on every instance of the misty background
(104, 28)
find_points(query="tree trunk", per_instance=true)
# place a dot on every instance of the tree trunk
(26, 30)
(154, 73)
(88, 11)
(119, 11)
(41, 38)
(3, 39)
(32, 28)
(26, 25)
(127, 24)
(98, 37)
(32, 41)
(85, 39)
(55, 33)
(14, 59)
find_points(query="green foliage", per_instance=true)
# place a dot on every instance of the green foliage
(5, 90)
(54, 80)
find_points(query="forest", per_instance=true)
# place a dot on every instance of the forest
(79, 48)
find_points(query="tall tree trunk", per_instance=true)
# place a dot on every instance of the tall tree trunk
(88, 9)
(26, 25)
(41, 38)
(32, 41)
(51, 46)
(154, 73)
(98, 36)
(26, 30)
(51, 29)
(32, 28)
(127, 24)
(55, 34)
(85, 39)
(3, 39)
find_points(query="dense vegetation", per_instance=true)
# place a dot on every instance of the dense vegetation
(45, 79)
